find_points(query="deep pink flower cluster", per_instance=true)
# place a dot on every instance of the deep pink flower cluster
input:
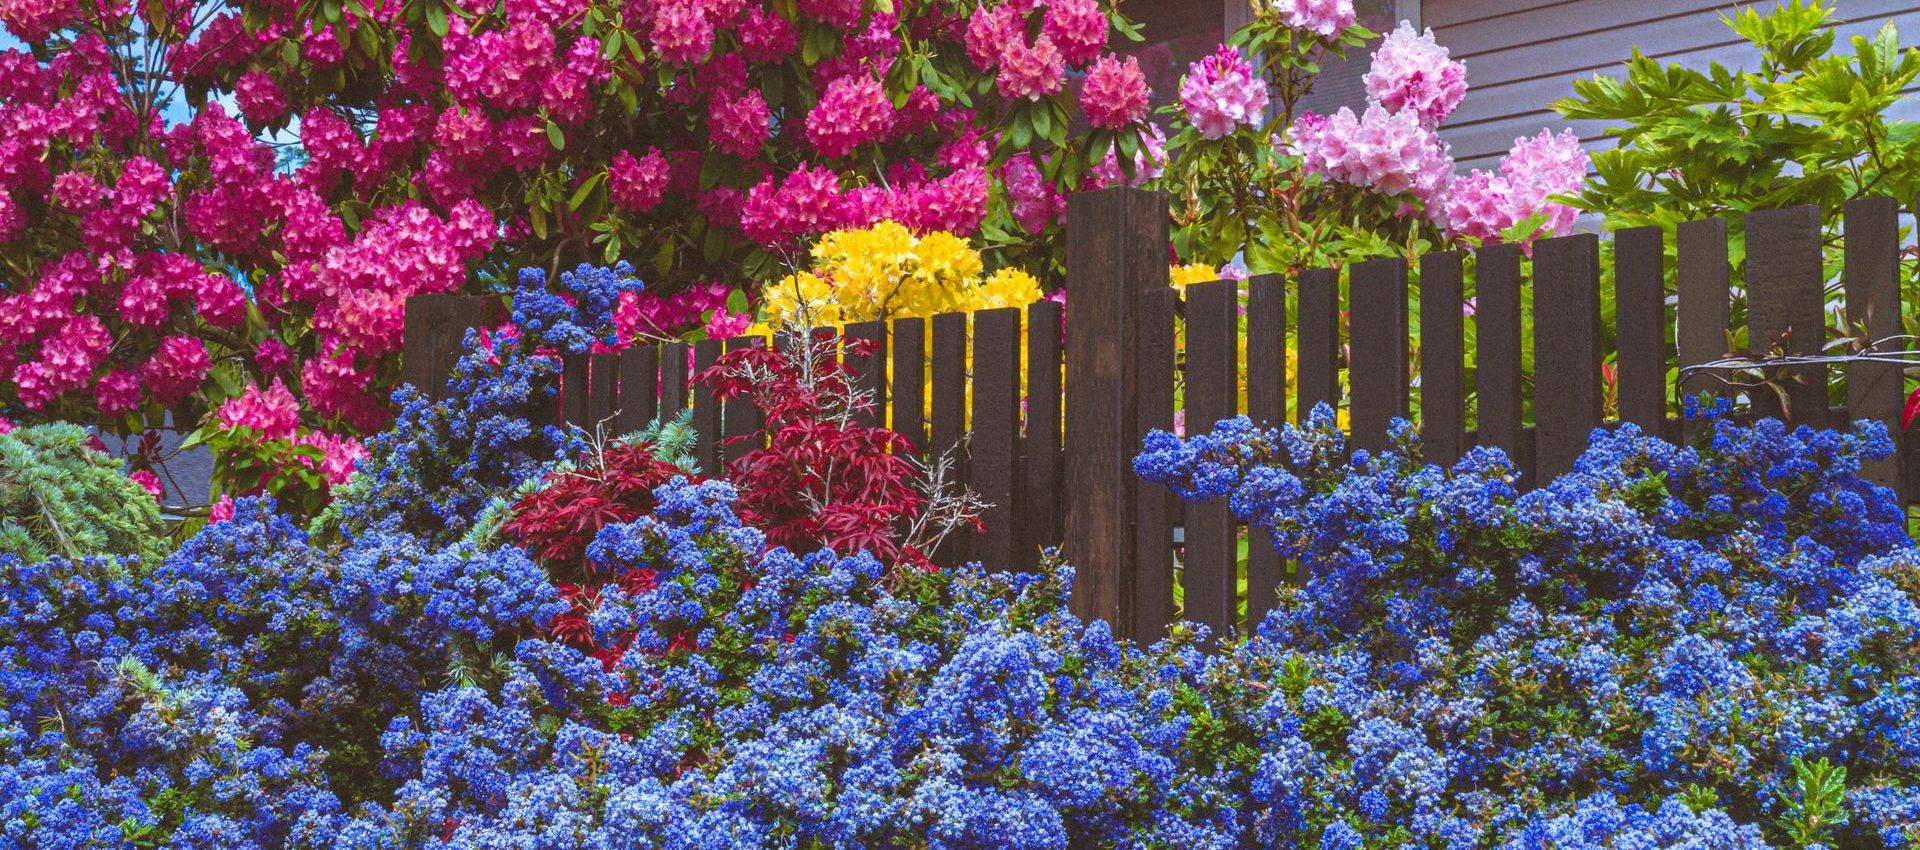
(1031, 196)
(274, 414)
(811, 201)
(1222, 94)
(638, 184)
(647, 315)
(1324, 18)
(1115, 94)
(1072, 35)
(853, 111)
(1411, 72)
(740, 125)
(1483, 205)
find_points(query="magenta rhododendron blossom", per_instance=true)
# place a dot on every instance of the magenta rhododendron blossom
(1324, 18)
(176, 369)
(1115, 94)
(739, 125)
(638, 183)
(1031, 71)
(1149, 164)
(1078, 28)
(1221, 94)
(1388, 152)
(1411, 71)
(1032, 197)
(273, 412)
(853, 111)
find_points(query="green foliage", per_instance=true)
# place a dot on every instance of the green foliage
(1816, 802)
(58, 496)
(1808, 126)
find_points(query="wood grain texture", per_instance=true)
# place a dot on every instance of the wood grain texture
(908, 387)
(639, 387)
(1377, 343)
(1443, 351)
(743, 419)
(1568, 394)
(1116, 253)
(1497, 368)
(434, 335)
(576, 395)
(1319, 341)
(674, 359)
(1703, 299)
(1640, 326)
(869, 370)
(605, 394)
(995, 446)
(1786, 305)
(1875, 391)
(1211, 563)
(1153, 516)
(706, 408)
(1266, 379)
(950, 414)
(1042, 479)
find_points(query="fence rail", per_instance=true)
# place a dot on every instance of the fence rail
(1056, 460)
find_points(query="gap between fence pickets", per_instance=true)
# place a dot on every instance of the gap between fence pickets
(1113, 377)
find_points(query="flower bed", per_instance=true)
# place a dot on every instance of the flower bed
(1708, 647)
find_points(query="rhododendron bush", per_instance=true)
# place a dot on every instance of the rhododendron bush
(204, 201)
(1286, 189)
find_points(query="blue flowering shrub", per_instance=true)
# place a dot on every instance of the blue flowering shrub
(1711, 646)
(1703, 647)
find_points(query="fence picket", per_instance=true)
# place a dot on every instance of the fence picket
(605, 381)
(1640, 322)
(1208, 576)
(1875, 391)
(870, 370)
(639, 387)
(1266, 377)
(706, 408)
(950, 412)
(1786, 308)
(1703, 301)
(743, 418)
(1443, 350)
(1496, 325)
(996, 433)
(1041, 484)
(434, 337)
(1568, 398)
(673, 379)
(575, 394)
(908, 388)
(1152, 602)
(1319, 340)
(1377, 338)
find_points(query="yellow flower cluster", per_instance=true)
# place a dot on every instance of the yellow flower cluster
(886, 272)
(1191, 273)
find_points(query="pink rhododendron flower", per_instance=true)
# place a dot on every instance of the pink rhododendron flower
(1031, 71)
(178, 367)
(1078, 28)
(338, 454)
(259, 98)
(806, 203)
(1483, 205)
(1115, 94)
(723, 324)
(13, 221)
(1148, 164)
(990, 31)
(148, 482)
(766, 37)
(1324, 18)
(1388, 152)
(1220, 94)
(272, 356)
(853, 111)
(118, 392)
(34, 20)
(273, 413)
(682, 35)
(842, 14)
(222, 511)
(637, 184)
(739, 125)
(77, 191)
(1030, 196)
(1411, 71)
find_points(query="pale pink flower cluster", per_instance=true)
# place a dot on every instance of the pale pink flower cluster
(1410, 72)
(853, 111)
(1222, 94)
(1148, 164)
(1324, 18)
(1031, 71)
(1391, 153)
(1072, 34)
(1485, 205)
(1115, 94)
(682, 35)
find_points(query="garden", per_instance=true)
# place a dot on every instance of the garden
(699, 424)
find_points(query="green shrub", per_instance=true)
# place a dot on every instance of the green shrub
(59, 496)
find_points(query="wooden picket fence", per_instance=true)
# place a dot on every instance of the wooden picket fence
(1056, 460)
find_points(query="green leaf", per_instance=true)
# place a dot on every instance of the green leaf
(586, 189)
(554, 135)
(663, 259)
(737, 302)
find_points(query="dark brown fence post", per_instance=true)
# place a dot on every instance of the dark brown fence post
(1702, 304)
(1568, 399)
(431, 343)
(1443, 352)
(1210, 566)
(1875, 390)
(1640, 327)
(1116, 252)
(1786, 308)
(1496, 326)
(1378, 339)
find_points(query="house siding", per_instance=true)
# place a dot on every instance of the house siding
(1522, 55)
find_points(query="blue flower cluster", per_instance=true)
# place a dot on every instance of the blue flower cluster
(1713, 646)
(1652, 650)
(581, 313)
